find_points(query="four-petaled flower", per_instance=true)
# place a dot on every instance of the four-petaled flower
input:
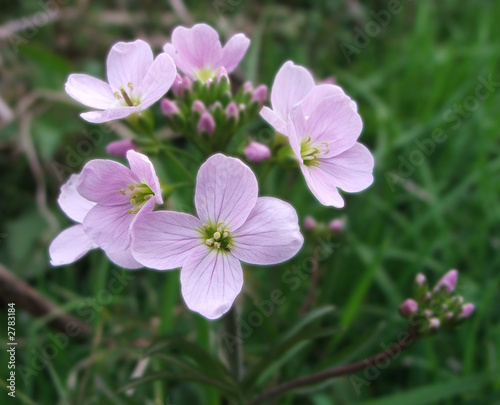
(197, 51)
(73, 243)
(121, 195)
(136, 81)
(233, 224)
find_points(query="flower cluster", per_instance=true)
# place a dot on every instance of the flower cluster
(429, 310)
(114, 205)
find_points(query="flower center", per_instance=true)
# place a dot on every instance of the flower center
(126, 98)
(311, 153)
(217, 236)
(205, 73)
(138, 195)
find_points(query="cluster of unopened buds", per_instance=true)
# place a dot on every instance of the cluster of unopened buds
(432, 309)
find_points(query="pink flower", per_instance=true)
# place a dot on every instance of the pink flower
(121, 147)
(408, 307)
(136, 81)
(448, 281)
(323, 139)
(233, 224)
(294, 84)
(197, 51)
(121, 196)
(257, 152)
(73, 243)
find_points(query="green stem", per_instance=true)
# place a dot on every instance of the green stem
(178, 163)
(203, 337)
(235, 355)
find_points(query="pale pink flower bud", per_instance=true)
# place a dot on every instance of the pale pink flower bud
(206, 123)
(232, 111)
(309, 223)
(408, 307)
(449, 281)
(337, 225)
(260, 94)
(248, 87)
(467, 311)
(222, 73)
(420, 279)
(169, 107)
(329, 80)
(176, 85)
(257, 152)
(186, 85)
(198, 107)
(121, 147)
(434, 324)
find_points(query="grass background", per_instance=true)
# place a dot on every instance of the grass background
(408, 81)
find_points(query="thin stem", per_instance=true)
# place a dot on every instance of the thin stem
(203, 338)
(334, 372)
(178, 163)
(235, 355)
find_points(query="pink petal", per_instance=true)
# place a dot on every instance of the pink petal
(98, 117)
(226, 190)
(290, 86)
(121, 147)
(157, 81)
(90, 91)
(317, 94)
(71, 202)
(101, 181)
(352, 170)
(127, 63)
(195, 48)
(270, 234)
(322, 186)
(163, 240)
(69, 246)
(211, 280)
(233, 51)
(145, 172)
(274, 120)
(124, 259)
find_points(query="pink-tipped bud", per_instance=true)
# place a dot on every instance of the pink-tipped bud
(420, 279)
(222, 73)
(329, 80)
(434, 324)
(198, 107)
(169, 107)
(336, 226)
(408, 307)
(232, 111)
(248, 87)
(309, 223)
(260, 94)
(186, 85)
(467, 311)
(257, 152)
(176, 85)
(121, 147)
(206, 123)
(448, 281)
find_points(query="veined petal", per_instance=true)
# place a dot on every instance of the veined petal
(144, 170)
(71, 202)
(98, 117)
(163, 240)
(90, 91)
(157, 80)
(297, 129)
(211, 280)
(352, 170)
(233, 51)
(127, 63)
(334, 121)
(323, 186)
(69, 246)
(124, 259)
(196, 48)
(270, 235)
(290, 86)
(226, 190)
(317, 94)
(274, 120)
(101, 181)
